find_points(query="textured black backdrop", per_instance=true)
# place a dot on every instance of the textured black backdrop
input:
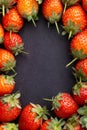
(42, 73)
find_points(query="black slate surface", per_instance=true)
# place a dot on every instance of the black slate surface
(42, 73)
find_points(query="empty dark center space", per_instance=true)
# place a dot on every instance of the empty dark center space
(42, 73)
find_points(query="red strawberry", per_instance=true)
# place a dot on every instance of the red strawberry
(84, 4)
(68, 3)
(81, 69)
(63, 105)
(7, 60)
(1, 34)
(31, 117)
(74, 20)
(52, 124)
(9, 107)
(12, 21)
(29, 9)
(13, 43)
(73, 123)
(7, 84)
(8, 126)
(78, 46)
(80, 93)
(52, 11)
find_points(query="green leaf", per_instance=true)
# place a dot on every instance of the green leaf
(83, 110)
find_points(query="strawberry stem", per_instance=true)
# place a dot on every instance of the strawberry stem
(3, 9)
(25, 52)
(13, 70)
(65, 6)
(71, 62)
(50, 100)
(57, 28)
(33, 22)
(70, 34)
(10, 34)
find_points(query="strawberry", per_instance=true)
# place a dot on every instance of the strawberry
(81, 69)
(80, 93)
(73, 123)
(68, 3)
(8, 126)
(12, 21)
(13, 43)
(28, 9)
(78, 46)
(74, 20)
(63, 105)
(52, 124)
(7, 84)
(1, 34)
(9, 107)
(32, 116)
(7, 60)
(84, 4)
(6, 4)
(52, 11)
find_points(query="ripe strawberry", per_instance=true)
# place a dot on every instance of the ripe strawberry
(52, 124)
(8, 126)
(7, 84)
(52, 11)
(12, 21)
(84, 4)
(7, 60)
(63, 105)
(78, 46)
(28, 9)
(74, 20)
(68, 3)
(9, 107)
(81, 69)
(1, 34)
(32, 117)
(13, 43)
(80, 93)
(73, 123)
(6, 4)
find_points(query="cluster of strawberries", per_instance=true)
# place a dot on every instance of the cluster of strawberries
(70, 111)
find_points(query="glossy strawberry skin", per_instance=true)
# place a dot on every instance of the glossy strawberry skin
(12, 21)
(67, 107)
(28, 9)
(52, 6)
(45, 125)
(84, 4)
(75, 14)
(81, 69)
(13, 43)
(1, 34)
(78, 45)
(7, 60)
(82, 98)
(74, 20)
(7, 84)
(27, 118)
(7, 113)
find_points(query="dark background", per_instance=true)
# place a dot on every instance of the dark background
(42, 73)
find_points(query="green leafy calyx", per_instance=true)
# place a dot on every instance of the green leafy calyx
(12, 99)
(55, 124)
(41, 112)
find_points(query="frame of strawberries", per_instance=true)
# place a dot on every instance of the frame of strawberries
(70, 111)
